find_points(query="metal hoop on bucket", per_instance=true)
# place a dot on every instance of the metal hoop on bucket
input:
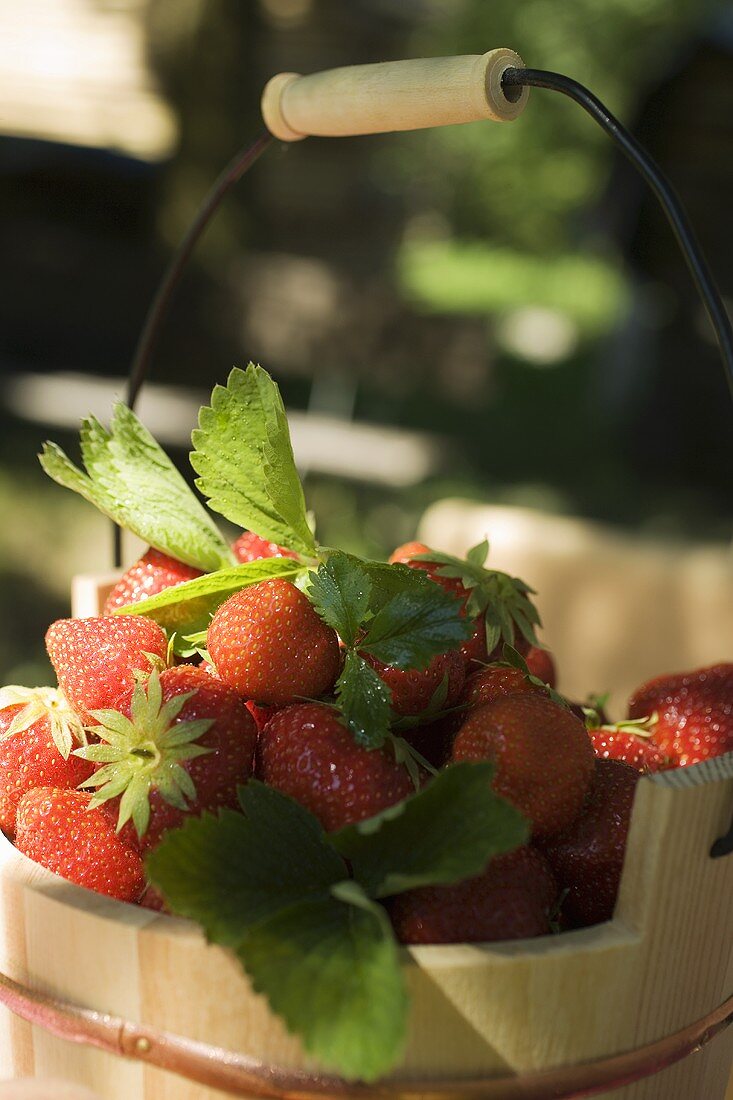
(240, 1075)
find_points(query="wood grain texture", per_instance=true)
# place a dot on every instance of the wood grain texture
(89, 594)
(393, 95)
(664, 961)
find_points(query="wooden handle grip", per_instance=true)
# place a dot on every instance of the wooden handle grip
(394, 95)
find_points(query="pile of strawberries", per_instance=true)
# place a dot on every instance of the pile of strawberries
(135, 740)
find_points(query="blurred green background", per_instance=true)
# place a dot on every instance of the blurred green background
(503, 303)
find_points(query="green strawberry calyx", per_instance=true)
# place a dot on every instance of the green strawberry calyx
(503, 601)
(144, 752)
(39, 704)
(638, 727)
(512, 658)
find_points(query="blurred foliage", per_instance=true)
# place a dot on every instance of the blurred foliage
(529, 184)
(474, 277)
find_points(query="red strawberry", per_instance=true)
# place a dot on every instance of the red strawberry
(544, 759)
(435, 740)
(405, 555)
(261, 715)
(511, 900)
(588, 858)
(250, 547)
(7, 816)
(483, 686)
(305, 752)
(95, 659)
(268, 643)
(29, 757)
(153, 573)
(153, 899)
(182, 747)
(59, 830)
(413, 689)
(494, 682)
(474, 650)
(694, 712)
(541, 664)
(630, 744)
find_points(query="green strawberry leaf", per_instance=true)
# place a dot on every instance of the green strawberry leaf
(365, 702)
(232, 871)
(341, 591)
(445, 833)
(244, 459)
(267, 884)
(187, 645)
(392, 613)
(415, 626)
(330, 968)
(132, 481)
(389, 581)
(188, 607)
(272, 886)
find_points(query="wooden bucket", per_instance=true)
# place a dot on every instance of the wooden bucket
(551, 1017)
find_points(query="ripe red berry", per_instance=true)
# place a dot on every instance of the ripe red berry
(433, 741)
(153, 899)
(153, 573)
(637, 750)
(543, 756)
(694, 712)
(474, 650)
(183, 776)
(261, 715)
(29, 759)
(95, 659)
(268, 643)
(406, 553)
(512, 899)
(305, 752)
(588, 857)
(541, 664)
(250, 547)
(413, 689)
(57, 829)
(483, 686)
(494, 682)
